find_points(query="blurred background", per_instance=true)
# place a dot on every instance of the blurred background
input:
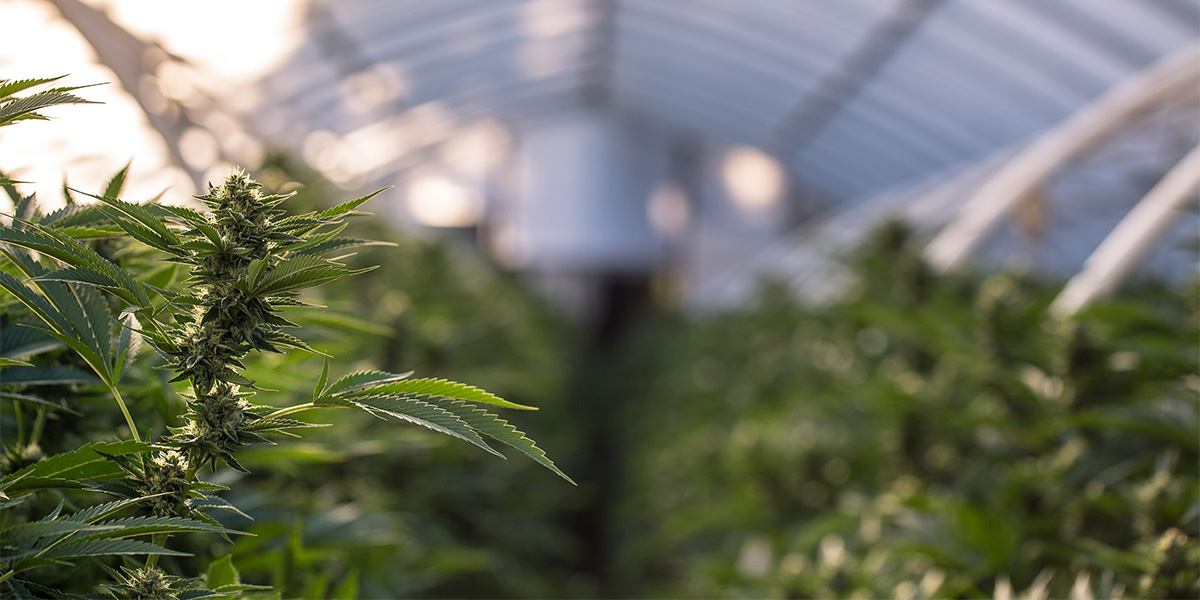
(865, 298)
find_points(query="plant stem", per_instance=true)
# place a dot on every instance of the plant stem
(39, 424)
(125, 411)
(20, 423)
(158, 539)
(291, 410)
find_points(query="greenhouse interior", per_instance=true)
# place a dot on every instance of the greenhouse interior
(759, 298)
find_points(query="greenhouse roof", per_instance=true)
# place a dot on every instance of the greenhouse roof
(852, 96)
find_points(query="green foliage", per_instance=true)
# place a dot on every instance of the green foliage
(933, 436)
(88, 284)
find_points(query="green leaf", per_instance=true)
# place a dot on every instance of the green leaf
(75, 215)
(9, 87)
(93, 514)
(336, 244)
(182, 215)
(320, 389)
(361, 380)
(114, 186)
(131, 526)
(85, 462)
(103, 547)
(42, 529)
(139, 222)
(447, 389)
(19, 109)
(37, 400)
(221, 573)
(68, 250)
(21, 341)
(345, 208)
(46, 375)
(499, 430)
(95, 278)
(298, 273)
(36, 303)
(416, 410)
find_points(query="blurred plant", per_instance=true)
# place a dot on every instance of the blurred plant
(246, 262)
(933, 436)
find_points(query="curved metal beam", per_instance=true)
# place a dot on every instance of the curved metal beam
(980, 215)
(1132, 238)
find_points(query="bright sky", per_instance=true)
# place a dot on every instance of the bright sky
(238, 39)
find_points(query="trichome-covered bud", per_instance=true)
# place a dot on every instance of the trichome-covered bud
(165, 478)
(216, 426)
(150, 583)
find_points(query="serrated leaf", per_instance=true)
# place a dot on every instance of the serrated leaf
(184, 215)
(84, 462)
(362, 379)
(419, 411)
(92, 514)
(40, 529)
(36, 303)
(336, 244)
(9, 87)
(500, 430)
(131, 526)
(320, 389)
(75, 215)
(138, 222)
(114, 186)
(216, 502)
(92, 277)
(106, 548)
(23, 108)
(20, 341)
(222, 572)
(285, 339)
(36, 400)
(68, 250)
(46, 375)
(444, 388)
(297, 273)
(347, 207)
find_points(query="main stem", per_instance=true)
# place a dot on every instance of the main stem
(125, 411)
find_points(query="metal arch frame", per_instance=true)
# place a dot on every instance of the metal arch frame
(1132, 238)
(978, 218)
(837, 86)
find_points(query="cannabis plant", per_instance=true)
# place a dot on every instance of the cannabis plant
(224, 280)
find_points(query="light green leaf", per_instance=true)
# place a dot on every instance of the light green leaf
(360, 380)
(419, 411)
(9, 87)
(222, 572)
(500, 430)
(447, 389)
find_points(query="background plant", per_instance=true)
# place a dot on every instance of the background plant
(932, 436)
